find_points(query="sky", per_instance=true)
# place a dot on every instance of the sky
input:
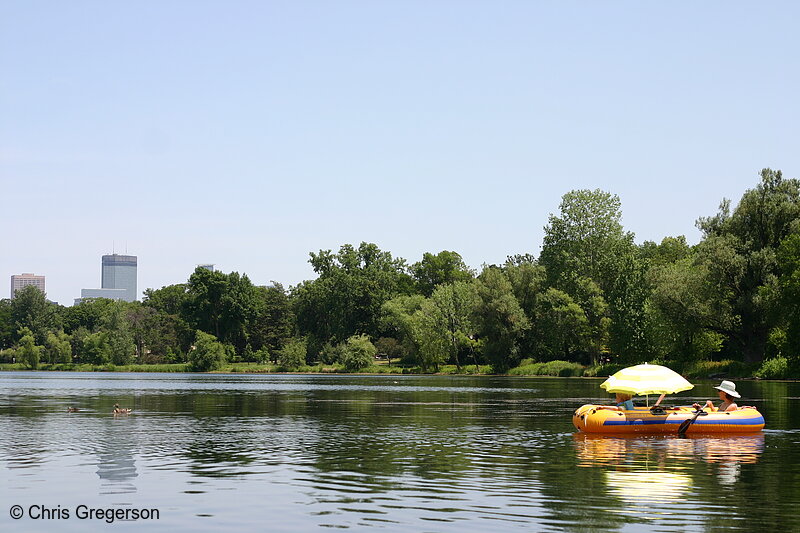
(248, 134)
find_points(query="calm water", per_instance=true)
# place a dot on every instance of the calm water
(395, 453)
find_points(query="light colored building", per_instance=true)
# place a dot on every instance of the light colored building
(111, 294)
(207, 266)
(119, 272)
(19, 281)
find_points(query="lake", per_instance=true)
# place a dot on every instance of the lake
(296, 453)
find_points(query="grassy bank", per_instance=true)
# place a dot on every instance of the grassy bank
(772, 369)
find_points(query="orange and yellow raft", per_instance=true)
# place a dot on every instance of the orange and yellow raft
(642, 420)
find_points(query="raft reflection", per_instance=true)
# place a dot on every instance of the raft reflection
(596, 450)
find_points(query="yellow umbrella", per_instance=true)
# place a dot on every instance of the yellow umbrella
(646, 379)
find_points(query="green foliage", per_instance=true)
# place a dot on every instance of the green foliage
(208, 353)
(119, 338)
(603, 370)
(331, 353)
(500, 320)
(58, 348)
(27, 350)
(358, 353)
(397, 318)
(223, 305)
(390, 347)
(347, 297)
(563, 324)
(586, 240)
(9, 355)
(95, 348)
(740, 247)
(30, 309)
(550, 368)
(6, 324)
(775, 368)
(273, 323)
(440, 269)
(293, 355)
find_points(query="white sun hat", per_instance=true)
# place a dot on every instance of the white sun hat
(729, 388)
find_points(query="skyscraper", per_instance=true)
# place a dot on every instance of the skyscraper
(119, 272)
(22, 280)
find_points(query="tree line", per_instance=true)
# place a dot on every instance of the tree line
(592, 296)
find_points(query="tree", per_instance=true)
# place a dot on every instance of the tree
(208, 353)
(223, 305)
(171, 299)
(161, 326)
(58, 348)
(788, 257)
(443, 268)
(358, 353)
(397, 318)
(6, 324)
(670, 250)
(273, 323)
(565, 325)
(688, 314)
(427, 327)
(585, 240)
(293, 354)
(95, 349)
(347, 296)
(30, 309)
(627, 296)
(88, 314)
(456, 304)
(28, 351)
(120, 340)
(739, 249)
(500, 320)
(528, 282)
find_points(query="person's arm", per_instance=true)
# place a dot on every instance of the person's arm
(732, 407)
(659, 400)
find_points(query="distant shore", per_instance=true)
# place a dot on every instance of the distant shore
(701, 370)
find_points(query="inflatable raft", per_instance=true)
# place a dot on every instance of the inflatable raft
(642, 420)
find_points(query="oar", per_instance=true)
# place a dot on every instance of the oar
(689, 421)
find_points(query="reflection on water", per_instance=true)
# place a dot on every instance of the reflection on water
(398, 453)
(648, 487)
(652, 475)
(116, 464)
(595, 449)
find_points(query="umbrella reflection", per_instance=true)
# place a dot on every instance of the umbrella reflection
(645, 487)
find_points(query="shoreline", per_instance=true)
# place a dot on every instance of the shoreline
(383, 369)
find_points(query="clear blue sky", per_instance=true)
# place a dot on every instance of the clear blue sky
(248, 134)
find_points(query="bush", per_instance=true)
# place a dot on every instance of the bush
(8, 356)
(605, 370)
(208, 354)
(776, 368)
(331, 354)
(358, 353)
(293, 355)
(262, 355)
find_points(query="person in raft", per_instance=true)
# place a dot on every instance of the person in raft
(624, 403)
(727, 393)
